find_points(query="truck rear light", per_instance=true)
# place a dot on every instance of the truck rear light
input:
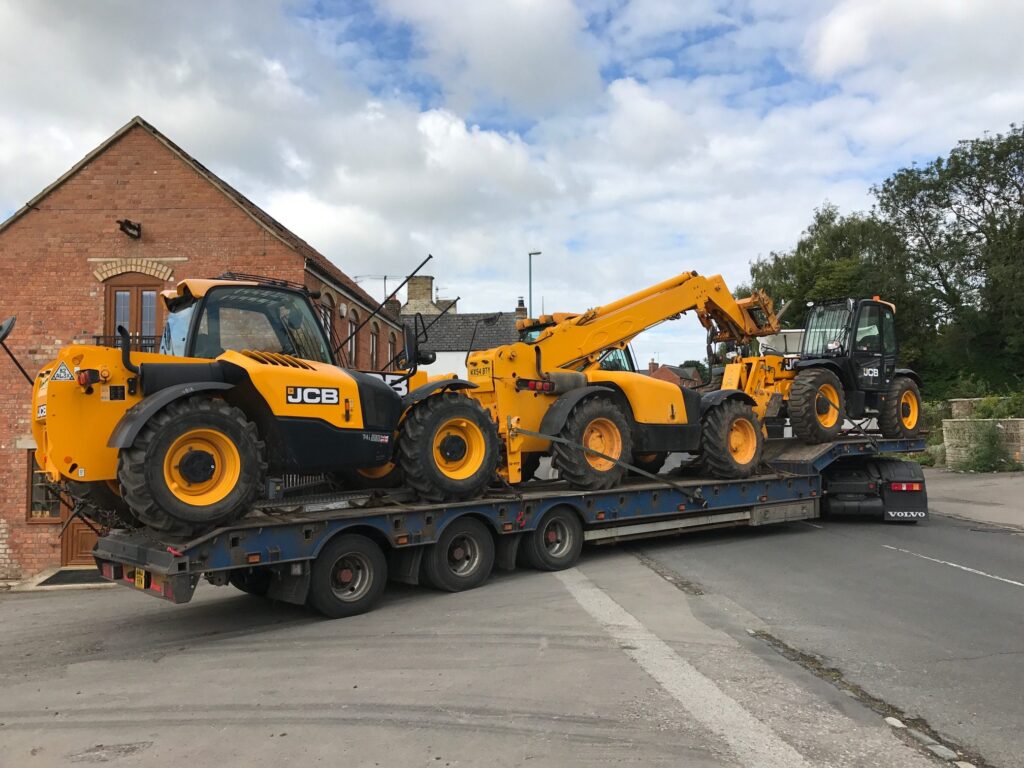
(905, 486)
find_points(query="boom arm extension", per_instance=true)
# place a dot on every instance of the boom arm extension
(570, 339)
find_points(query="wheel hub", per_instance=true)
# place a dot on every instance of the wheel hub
(453, 448)
(197, 466)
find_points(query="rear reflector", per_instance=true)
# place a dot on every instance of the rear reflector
(906, 486)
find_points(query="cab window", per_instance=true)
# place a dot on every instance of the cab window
(888, 332)
(259, 319)
(616, 360)
(868, 338)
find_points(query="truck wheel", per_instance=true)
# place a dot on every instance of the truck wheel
(900, 414)
(103, 504)
(462, 558)
(252, 581)
(448, 448)
(556, 543)
(197, 463)
(731, 440)
(649, 462)
(598, 424)
(347, 577)
(817, 405)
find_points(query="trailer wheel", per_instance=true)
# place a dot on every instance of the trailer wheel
(600, 425)
(731, 440)
(817, 405)
(252, 581)
(461, 559)
(900, 414)
(197, 463)
(448, 448)
(347, 577)
(555, 544)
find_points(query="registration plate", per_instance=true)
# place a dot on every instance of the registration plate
(140, 578)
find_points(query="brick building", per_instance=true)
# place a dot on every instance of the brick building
(93, 250)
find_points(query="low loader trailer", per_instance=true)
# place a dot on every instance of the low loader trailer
(336, 552)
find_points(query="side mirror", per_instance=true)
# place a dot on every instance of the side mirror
(426, 358)
(6, 327)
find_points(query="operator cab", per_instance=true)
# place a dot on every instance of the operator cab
(207, 318)
(859, 335)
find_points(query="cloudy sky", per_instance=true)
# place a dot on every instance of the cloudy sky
(628, 140)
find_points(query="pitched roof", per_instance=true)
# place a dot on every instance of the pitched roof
(453, 333)
(685, 372)
(314, 260)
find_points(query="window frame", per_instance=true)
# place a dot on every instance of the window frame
(30, 497)
(352, 349)
(375, 346)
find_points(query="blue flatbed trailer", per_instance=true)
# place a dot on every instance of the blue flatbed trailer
(336, 551)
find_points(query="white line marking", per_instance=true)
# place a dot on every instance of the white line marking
(753, 742)
(813, 525)
(954, 565)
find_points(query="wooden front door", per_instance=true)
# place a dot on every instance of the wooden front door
(77, 542)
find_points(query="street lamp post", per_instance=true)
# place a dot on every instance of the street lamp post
(530, 255)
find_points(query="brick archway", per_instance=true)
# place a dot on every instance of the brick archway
(145, 266)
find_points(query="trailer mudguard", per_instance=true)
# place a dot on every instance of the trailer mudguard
(426, 390)
(557, 414)
(135, 418)
(711, 399)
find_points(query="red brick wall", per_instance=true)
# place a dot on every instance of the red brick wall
(48, 282)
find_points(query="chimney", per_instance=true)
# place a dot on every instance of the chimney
(421, 288)
(520, 308)
(652, 366)
(393, 308)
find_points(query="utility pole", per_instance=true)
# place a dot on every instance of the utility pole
(530, 256)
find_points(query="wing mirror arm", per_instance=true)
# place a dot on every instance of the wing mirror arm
(5, 330)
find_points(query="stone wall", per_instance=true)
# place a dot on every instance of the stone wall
(958, 435)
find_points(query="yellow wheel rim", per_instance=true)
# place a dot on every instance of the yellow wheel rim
(602, 435)
(459, 448)
(221, 466)
(742, 441)
(909, 409)
(376, 473)
(826, 406)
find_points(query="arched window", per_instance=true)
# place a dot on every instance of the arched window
(353, 323)
(374, 347)
(392, 349)
(327, 314)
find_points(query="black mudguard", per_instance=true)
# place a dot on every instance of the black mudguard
(427, 390)
(557, 414)
(711, 399)
(910, 375)
(135, 418)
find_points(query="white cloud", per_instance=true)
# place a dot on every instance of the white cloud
(710, 134)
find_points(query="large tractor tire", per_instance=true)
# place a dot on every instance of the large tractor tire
(731, 440)
(198, 463)
(899, 415)
(600, 425)
(817, 405)
(448, 448)
(102, 504)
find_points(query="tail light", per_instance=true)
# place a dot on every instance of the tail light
(906, 486)
(534, 385)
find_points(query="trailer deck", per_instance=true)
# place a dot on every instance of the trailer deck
(286, 536)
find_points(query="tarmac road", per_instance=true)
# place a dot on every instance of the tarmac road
(928, 617)
(604, 664)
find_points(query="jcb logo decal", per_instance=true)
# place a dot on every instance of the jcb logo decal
(311, 395)
(871, 373)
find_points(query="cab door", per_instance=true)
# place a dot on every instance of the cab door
(868, 358)
(890, 347)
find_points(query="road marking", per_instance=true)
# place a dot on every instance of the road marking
(813, 525)
(955, 565)
(753, 742)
